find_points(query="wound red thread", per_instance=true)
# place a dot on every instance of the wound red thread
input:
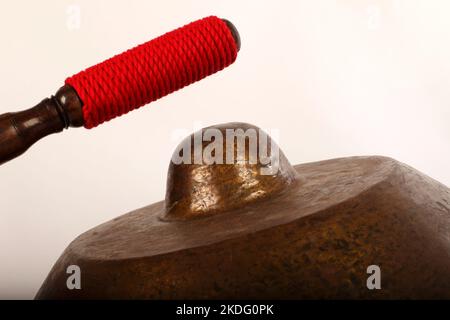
(153, 69)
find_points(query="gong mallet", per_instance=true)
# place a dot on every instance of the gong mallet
(124, 82)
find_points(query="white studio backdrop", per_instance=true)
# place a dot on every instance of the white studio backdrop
(335, 78)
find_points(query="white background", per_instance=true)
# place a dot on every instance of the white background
(336, 78)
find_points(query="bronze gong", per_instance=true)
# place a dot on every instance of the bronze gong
(225, 231)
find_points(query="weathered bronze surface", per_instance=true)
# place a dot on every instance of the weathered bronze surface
(314, 237)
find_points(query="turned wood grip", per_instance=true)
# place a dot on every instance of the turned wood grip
(20, 130)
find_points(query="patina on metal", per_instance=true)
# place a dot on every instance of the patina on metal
(309, 231)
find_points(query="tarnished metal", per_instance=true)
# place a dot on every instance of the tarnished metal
(309, 231)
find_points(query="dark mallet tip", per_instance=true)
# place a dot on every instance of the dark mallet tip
(234, 32)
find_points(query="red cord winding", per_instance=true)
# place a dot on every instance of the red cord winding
(153, 69)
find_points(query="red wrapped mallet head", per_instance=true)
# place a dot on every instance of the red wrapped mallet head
(125, 82)
(154, 69)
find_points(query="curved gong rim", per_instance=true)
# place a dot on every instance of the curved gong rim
(141, 233)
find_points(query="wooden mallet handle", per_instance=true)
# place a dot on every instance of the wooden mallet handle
(125, 82)
(20, 130)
